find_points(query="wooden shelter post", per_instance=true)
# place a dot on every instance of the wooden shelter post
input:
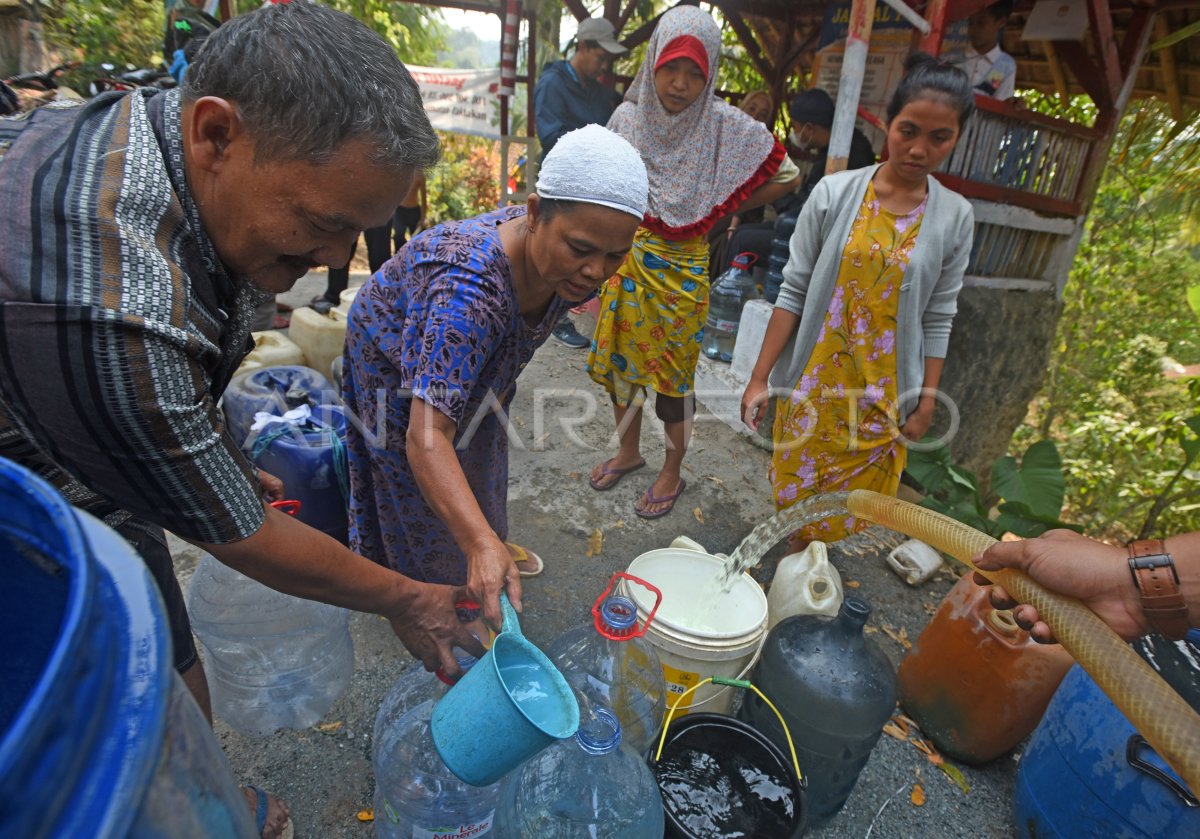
(854, 62)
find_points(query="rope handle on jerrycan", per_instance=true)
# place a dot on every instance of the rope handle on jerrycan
(600, 621)
(733, 683)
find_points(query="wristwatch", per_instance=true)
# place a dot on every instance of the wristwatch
(1157, 582)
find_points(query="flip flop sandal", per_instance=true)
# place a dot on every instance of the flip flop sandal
(260, 815)
(524, 556)
(607, 472)
(670, 500)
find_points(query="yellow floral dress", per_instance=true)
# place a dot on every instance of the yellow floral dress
(652, 319)
(838, 430)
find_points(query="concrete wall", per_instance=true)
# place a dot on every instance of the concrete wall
(997, 360)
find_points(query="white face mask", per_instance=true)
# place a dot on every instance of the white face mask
(800, 139)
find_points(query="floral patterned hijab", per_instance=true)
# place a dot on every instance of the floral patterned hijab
(704, 160)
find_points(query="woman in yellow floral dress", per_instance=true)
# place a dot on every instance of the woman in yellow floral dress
(869, 294)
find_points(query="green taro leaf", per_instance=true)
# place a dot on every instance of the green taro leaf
(1037, 483)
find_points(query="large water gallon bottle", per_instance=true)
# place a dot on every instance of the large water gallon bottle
(1086, 771)
(784, 227)
(805, 583)
(835, 689)
(415, 793)
(610, 665)
(272, 660)
(726, 298)
(98, 735)
(274, 390)
(590, 785)
(975, 682)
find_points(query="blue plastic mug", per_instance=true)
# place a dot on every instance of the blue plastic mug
(504, 710)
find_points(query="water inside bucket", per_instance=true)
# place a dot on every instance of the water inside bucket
(716, 782)
(533, 689)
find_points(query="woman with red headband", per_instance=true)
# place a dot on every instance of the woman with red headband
(706, 159)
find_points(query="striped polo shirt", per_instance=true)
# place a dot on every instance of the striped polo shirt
(119, 326)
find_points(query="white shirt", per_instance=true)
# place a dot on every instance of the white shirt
(994, 72)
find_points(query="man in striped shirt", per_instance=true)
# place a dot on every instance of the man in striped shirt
(139, 233)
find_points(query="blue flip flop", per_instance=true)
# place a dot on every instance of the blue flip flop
(260, 814)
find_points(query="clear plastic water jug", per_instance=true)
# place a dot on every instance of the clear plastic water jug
(272, 660)
(725, 301)
(610, 665)
(591, 785)
(835, 688)
(415, 793)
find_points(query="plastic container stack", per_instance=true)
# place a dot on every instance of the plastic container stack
(785, 225)
(272, 660)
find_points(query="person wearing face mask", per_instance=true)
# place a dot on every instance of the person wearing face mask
(705, 159)
(863, 319)
(434, 345)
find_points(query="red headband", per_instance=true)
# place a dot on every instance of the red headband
(685, 46)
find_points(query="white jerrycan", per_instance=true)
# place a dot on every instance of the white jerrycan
(805, 584)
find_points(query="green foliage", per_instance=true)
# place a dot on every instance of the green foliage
(464, 183)
(1118, 421)
(1031, 490)
(97, 32)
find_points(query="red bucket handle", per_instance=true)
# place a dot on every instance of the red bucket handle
(636, 632)
(290, 507)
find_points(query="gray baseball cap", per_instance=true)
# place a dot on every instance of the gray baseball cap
(601, 31)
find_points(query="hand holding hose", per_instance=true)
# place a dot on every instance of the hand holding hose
(1076, 566)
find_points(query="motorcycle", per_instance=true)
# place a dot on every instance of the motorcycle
(130, 79)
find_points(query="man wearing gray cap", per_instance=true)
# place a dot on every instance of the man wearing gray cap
(568, 96)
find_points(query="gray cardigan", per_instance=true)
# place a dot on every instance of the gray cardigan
(928, 295)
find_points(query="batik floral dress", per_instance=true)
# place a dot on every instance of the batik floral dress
(839, 429)
(439, 321)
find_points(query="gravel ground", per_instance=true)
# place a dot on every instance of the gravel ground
(326, 777)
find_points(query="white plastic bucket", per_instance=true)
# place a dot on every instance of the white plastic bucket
(729, 643)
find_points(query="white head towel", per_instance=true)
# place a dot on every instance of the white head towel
(595, 166)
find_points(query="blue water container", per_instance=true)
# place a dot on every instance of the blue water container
(274, 390)
(98, 735)
(311, 462)
(1087, 773)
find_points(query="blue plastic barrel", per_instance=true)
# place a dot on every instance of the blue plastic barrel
(1086, 773)
(273, 390)
(311, 462)
(98, 736)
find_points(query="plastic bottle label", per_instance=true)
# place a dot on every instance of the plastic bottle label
(469, 830)
(721, 325)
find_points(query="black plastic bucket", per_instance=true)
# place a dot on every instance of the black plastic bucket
(720, 777)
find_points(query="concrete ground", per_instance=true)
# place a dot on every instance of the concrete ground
(325, 774)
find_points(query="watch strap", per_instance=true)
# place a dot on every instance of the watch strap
(1157, 581)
